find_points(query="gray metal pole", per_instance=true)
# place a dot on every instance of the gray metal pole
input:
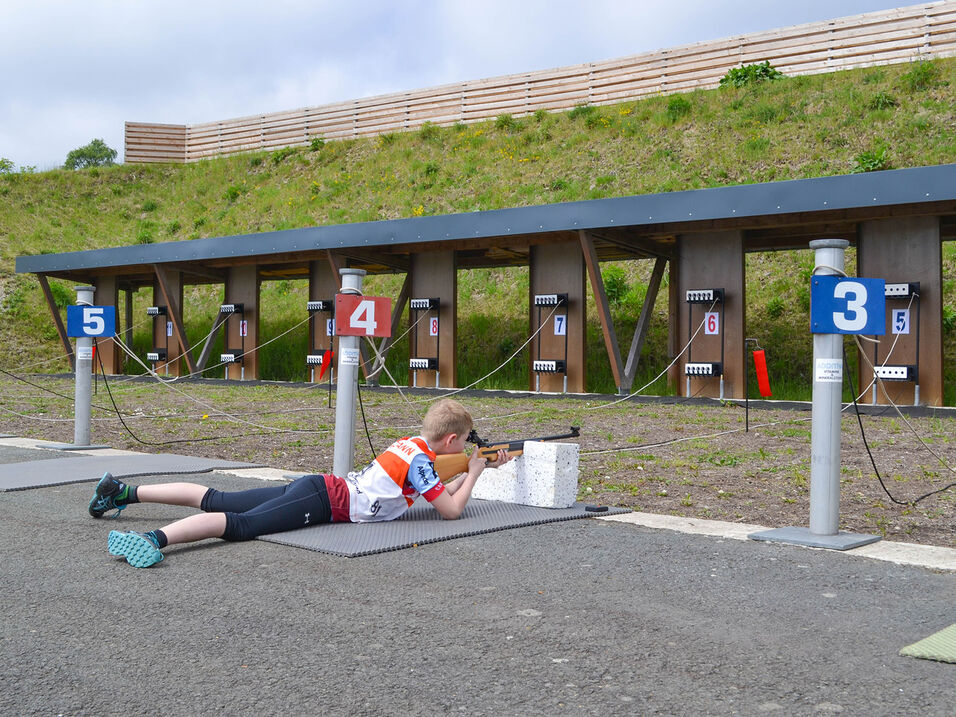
(84, 376)
(827, 399)
(346, 385)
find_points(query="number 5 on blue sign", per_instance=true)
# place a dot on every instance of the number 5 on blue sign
(90, 320)
(847, 306)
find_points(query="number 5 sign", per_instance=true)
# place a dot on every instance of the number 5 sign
(90, 320)
(362, 315)
(847, 306)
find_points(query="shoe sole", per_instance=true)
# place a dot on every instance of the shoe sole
(138, 551)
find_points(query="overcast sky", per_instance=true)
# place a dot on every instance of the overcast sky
(75, 70)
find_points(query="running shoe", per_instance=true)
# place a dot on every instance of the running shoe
(110, 494)
(137, 548)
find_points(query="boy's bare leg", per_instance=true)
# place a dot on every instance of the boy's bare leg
(195, 527)
(188, 494)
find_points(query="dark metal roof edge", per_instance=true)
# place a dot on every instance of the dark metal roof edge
(818, 194)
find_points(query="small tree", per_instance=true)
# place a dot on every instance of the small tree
(95, 154)
(6, 166)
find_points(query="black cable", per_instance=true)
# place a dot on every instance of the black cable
(50, 390)
(870, 454)
(136, 438)
(364, 422)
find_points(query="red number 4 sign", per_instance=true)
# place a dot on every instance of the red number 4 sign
(362, 315)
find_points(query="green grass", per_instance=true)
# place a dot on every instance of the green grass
(894, 116)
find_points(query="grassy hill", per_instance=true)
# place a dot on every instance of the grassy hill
(861, 120)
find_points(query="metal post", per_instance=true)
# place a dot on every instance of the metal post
(825, 431)
(84, 376)
(346, 386)
(827, 400)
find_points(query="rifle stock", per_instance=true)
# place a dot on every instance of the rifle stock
(451, 464)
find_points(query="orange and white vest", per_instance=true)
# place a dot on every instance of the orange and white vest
(384, 489)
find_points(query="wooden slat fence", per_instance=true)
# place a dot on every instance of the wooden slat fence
(877, 38)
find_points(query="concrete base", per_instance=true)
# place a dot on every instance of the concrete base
(545, 476)
(803, 536)
(72, 447)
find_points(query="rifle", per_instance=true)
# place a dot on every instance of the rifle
(451, 464)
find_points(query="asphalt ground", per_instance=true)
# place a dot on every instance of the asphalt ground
(580, 617)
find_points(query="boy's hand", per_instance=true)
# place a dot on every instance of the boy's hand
(477, 463)
(500, 459)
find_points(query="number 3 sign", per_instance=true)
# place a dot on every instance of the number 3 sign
(362, 315)
(847, 306)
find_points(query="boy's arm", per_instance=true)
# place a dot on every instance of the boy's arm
(453, 499)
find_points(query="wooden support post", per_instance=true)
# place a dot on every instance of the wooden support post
(559, 269)
(643, 322)
(111, 356)
(899, 251)
(128, 318)
(168, 281)
(164, 334)
(710, 261)
(324, 282)
(434, 275)
(57, 320)
(603, 309)
(242, 287)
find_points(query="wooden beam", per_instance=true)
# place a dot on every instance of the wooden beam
(210, 340)
(640, 331)
(57, 320)
(603, 308)
(173, 311)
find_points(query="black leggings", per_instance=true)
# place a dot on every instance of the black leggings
(260, 511)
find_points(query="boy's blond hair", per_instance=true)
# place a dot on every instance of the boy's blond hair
(444, 417)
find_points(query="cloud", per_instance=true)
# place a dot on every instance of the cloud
(79, 70)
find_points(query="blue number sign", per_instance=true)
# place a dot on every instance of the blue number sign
(847, 306)
(90, 320)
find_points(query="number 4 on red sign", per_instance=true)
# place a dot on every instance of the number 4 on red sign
(362, 316)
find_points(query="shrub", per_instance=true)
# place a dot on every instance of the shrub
(150, 206)
(429, 131)
(6, 166)
(870, 161)
(949, 319)
(506, 122)
(94, 154)
(280, 154)
(882, 101)
(62, 296)
(775, 307)
(581, 111)
(921, 76)
(677, 107)
(387, 139)
(615, 284)
(316, 143)
(750, 75)
(232, 193)
(540, 115)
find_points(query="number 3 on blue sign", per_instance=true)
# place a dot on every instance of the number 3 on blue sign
(847, 306)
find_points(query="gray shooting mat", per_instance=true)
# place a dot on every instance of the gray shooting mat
(422, 524)
(80, 469)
